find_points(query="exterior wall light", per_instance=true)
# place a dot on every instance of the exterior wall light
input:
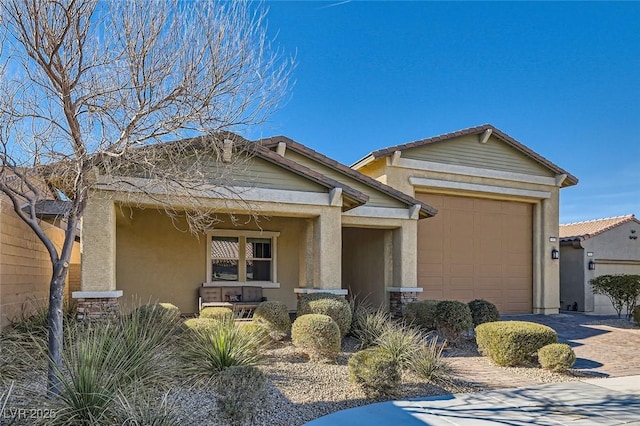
(592, 265)
(555, 254)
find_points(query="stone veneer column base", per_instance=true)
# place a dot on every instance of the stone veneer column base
(301, 291)
(399, 297)
(94, 305)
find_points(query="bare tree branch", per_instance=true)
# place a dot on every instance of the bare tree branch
(91, 92)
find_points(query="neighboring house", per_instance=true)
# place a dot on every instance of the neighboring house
(497, 221)
(306, 223)
(25, 267)
(592, 248)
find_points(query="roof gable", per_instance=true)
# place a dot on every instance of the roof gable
(591, 228)
(343, 172)
(450, 148)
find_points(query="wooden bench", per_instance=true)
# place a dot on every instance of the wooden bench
(239, 299)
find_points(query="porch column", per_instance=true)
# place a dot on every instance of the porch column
(327, 253)
(546, 271)
(405, 268)
(98, 295)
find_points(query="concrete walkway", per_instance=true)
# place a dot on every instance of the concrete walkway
(606, 402)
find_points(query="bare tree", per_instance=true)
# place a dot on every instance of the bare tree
(91, 91)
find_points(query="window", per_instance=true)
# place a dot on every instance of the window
(242, 256)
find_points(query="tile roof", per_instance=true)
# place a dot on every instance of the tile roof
(425, 210)
(591, 228)
(571, 180)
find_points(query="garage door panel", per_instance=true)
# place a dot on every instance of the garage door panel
(480, 248)
(489, 271)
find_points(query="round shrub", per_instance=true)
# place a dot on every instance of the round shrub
(452, 319)
(240, 390)
(483, 311)
(510, 343)
(257, 330)
(157, 311)
(273, 316)
(375, 371)
(421, 314)
(217, 313)
(303, 301)
(316, 335)
(193, 324)
(556, 357)
(338, 309)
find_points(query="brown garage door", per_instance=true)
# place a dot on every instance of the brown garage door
(477, 248)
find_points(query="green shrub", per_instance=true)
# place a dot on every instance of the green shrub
(483, 311)
(421, 314)
(206, 352)
(337, 308)
(316, 335)
(400, 342)
(556, 357)
(622, 289)
(240, 390)
(156, 310)
(453, 318)
(430, 364)
(376, 372)
(511, 343)
(274, 317)
(369, 327)
(303, 301)
(217, 313)
(258, 331)
(192, 324)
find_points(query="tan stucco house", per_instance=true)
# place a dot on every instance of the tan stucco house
(497, 221)
(588, 249)
(303, 223)
(470, 214)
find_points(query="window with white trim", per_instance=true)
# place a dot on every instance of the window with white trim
(241, 256)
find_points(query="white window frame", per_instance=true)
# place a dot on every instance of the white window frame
(242, 258)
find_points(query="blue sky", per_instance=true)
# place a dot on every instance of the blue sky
(562, 78)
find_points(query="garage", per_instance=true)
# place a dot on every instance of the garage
(477, 248)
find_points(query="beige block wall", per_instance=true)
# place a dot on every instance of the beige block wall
(161, 262)
(25, 266)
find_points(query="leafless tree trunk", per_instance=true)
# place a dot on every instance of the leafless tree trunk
(95, 88)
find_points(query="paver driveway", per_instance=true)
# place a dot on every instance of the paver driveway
(604, 350)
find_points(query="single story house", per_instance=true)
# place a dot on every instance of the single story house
(470, 214)
(592, 248)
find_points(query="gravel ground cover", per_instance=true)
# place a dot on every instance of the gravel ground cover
(300, 391)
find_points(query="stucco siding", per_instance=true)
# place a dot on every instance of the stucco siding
(363, 264)
(256, 172)
(468, 151)
(159, 261)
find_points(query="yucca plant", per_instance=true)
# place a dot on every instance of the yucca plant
(144, 408)
(430, 364)
(367, 328)
(401, 342)
(206, 352)
(105, 358)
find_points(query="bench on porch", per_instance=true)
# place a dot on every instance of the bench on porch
(242, 299)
